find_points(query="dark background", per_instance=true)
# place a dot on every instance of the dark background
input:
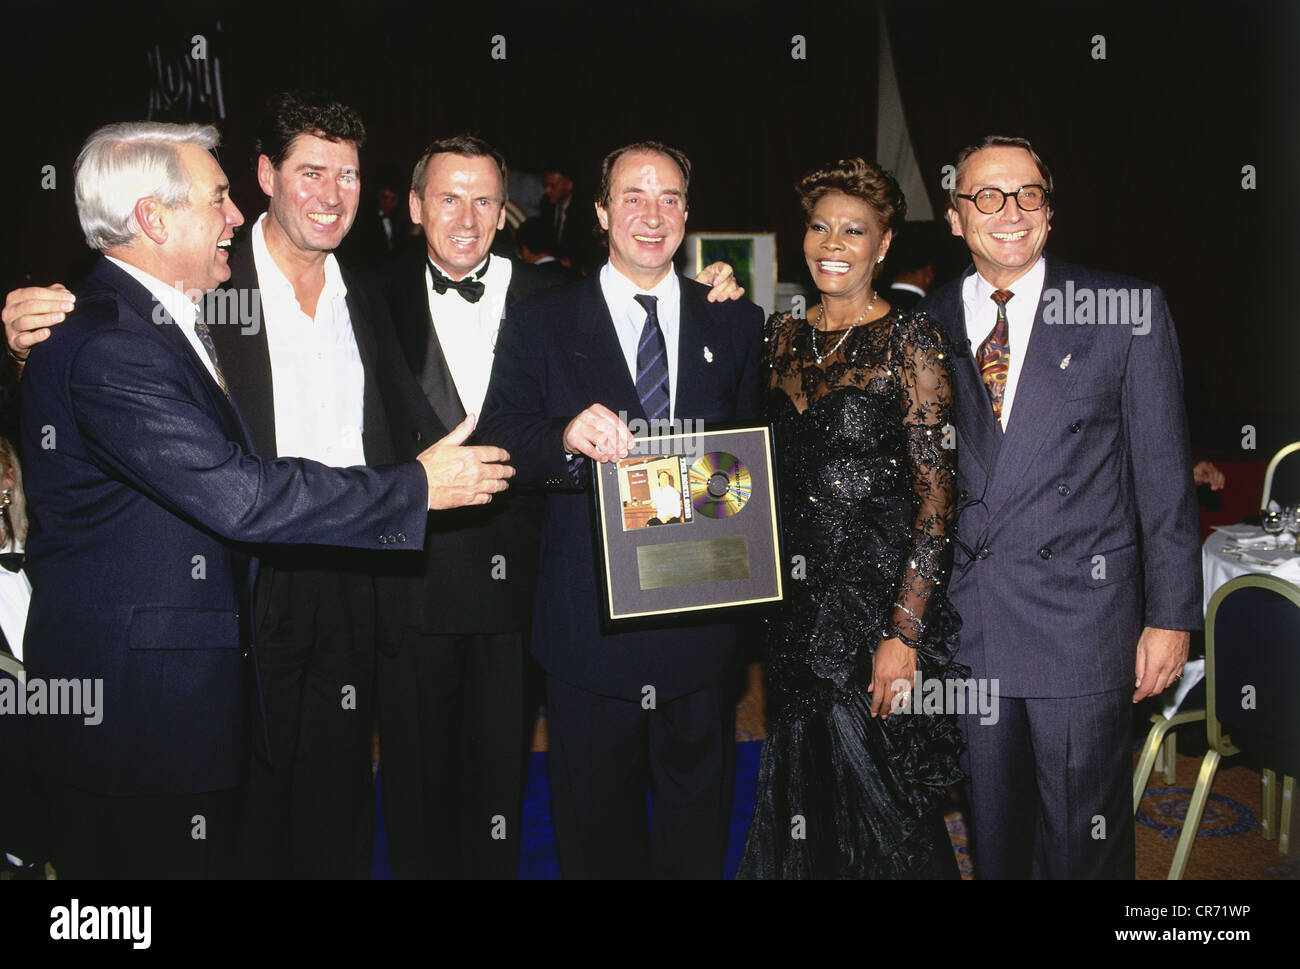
(1147, 146)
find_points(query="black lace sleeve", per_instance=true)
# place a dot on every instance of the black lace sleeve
(921, 363)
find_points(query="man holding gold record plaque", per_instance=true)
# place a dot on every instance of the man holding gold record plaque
(648, 708)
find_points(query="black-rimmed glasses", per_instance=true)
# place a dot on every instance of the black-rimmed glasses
(990, 200)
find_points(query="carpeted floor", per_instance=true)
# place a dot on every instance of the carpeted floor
(1230, 844)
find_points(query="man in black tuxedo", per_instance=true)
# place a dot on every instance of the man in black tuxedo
(454, 722)
(631, 709)
(144, 485)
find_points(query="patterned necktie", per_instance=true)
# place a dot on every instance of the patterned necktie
(994, 356)
(201, 330)
(652, 362)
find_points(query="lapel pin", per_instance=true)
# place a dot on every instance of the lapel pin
(708, 355)
(1065, 361)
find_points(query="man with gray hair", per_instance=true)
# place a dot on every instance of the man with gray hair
(144, 485)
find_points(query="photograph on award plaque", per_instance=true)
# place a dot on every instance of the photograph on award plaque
(688, 522)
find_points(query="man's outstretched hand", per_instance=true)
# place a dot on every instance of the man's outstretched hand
(30, 312)
(460, 475)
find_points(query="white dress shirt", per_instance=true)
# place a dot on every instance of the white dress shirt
(629, 319)
(15, 597)
(317, 380)
(467, 332)
(982, 314)
(176, 303)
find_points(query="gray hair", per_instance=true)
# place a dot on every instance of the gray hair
(122, 163)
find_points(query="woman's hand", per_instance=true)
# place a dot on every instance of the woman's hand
(892, 669)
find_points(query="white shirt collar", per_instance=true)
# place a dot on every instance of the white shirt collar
(620, 290)
(182, 309)
(269, 274)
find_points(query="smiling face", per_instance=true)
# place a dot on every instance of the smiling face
(195, 253)
(462, 208)
(646, 219)
(1005, 245)
(843, 243)
(313, 194)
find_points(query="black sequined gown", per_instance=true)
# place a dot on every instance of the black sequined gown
(867, 501)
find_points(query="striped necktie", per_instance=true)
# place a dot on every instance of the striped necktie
(994, 356)
(652, 362)
(201, 331)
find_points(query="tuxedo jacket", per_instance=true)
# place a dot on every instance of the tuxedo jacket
(1078, 526)
(146, 495)
(480, 564)
(557, 354)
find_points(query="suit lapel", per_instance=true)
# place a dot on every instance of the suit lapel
(150, 311)
(598, 355)
(978, 434)
(375, 437)
(1041, 391)
(243, 351)
(695, 331)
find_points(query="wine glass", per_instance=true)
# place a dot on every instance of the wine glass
(1273, 522)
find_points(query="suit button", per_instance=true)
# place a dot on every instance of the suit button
(383, 539)
(1063, 489)
(244, 653)
(417, 436)
(401, 536)
(1076, 427)
(963, 495)
(984, 552)
(1044, 552)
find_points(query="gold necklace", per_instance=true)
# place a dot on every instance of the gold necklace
(821, 309)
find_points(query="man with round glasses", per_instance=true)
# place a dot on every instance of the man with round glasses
(1078, 570)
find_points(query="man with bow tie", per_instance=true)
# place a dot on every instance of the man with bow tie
(453, 718)
(1078, 571)
(626, 712)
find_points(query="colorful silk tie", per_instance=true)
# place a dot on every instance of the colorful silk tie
(201, 331)
(994, 356)
(652, 362)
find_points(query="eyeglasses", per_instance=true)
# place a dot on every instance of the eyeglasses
(990, 200)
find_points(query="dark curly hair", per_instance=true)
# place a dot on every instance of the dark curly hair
(292, 113)
(861, 180)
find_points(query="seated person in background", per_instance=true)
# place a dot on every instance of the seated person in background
(22, 834)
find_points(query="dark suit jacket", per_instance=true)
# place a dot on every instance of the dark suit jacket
(558, 354)
(1082, 518)
(461, 586)
(144, 489)
(239, 333)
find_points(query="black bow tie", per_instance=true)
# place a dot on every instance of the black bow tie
(470, 288)
(13, 561)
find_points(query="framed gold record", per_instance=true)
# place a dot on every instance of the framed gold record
(688, 522)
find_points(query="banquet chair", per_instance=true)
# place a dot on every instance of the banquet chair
(1290, 449)
(1252, 695)
(1160, 750)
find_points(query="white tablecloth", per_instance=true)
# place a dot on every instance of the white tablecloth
(1218, 566)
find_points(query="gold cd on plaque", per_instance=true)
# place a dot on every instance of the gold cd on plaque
(720, 484)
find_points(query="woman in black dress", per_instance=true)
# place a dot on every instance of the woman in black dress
(852, 782)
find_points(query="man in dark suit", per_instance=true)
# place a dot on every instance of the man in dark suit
(1079, 569)
(570, 219)
(632, 709)
(454, 721)
(144, 485)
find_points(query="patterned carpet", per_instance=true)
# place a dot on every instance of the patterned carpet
(1230, 844)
